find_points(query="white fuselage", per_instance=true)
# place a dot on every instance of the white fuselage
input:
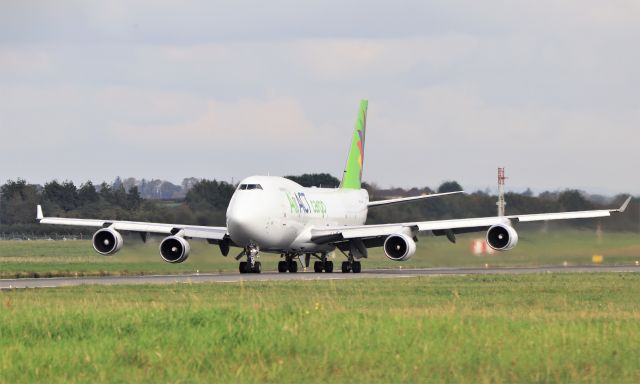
(277, 214)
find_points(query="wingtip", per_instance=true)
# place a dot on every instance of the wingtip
(624, 205)
(39, 215)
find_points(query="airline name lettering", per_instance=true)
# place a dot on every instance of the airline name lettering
(299, 203)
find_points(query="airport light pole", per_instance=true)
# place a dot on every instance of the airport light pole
(501, 203)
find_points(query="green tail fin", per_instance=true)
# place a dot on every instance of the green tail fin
(352, 178)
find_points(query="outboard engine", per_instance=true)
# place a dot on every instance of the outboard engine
(502, 237)
(174, 249)
(399, 247)
(107, 241)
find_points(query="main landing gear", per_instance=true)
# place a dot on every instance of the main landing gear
(251, 265)
(289, 264)
(351, 265)
(323, 265)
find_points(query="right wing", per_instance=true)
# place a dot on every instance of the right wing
(371, 234)
(214, 234)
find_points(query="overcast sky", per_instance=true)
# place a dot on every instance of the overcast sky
(160, 89)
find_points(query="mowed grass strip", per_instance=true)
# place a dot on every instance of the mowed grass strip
(71, 258)
(478, 329)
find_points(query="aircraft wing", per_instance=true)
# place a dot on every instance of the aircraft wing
(407, 199)
(446, 227)
(201, 232)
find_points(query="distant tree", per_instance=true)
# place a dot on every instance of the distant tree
(87, 194)
(64, 196)
(209, 195)
(449, 186)
(17, 202)
(117, 183)
(188, 183)
(547, 195)
(574, 200)
(133, 199)
(119, 197)
(129, 183)
(324, 180)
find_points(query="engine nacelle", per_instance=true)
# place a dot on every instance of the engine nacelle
(502, 237)
(399, 247)
(107, 241)
(174, 249)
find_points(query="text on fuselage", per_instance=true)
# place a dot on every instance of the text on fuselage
(299, 203)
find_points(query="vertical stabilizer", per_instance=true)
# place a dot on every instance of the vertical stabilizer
(352, 177)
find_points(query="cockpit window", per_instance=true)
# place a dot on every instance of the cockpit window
(250, 186)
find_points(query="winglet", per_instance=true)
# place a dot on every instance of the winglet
(39, 215)
(624, 205)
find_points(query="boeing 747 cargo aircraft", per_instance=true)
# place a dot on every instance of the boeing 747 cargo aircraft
(276, 215)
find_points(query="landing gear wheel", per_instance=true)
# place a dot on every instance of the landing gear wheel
(293, 266)
(257, 267)
(244, 267)
(356, 267)
(317, 267)
(346, 267)
(328, 266)
(282, 266)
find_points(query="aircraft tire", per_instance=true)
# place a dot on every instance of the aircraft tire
(357, 267)
(346, 268)
(282, 266)
(257, 267)
(243, 267)
(328, 266)
(293, 266)
(317, 267)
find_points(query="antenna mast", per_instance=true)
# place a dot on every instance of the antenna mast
(501, 203)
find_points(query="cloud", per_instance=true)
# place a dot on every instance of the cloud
(236, 126)
(456, 88)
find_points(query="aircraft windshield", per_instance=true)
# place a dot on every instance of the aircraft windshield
(249, 186)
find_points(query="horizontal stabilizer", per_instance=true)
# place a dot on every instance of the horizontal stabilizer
(407, 199)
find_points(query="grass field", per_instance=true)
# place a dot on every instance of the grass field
(476, 329)
(55, 258)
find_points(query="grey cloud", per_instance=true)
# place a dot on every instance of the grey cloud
(548, 89)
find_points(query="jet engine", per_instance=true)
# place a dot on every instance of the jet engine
(107, 241)
(399, 247)
(502, 237)
(174, 249)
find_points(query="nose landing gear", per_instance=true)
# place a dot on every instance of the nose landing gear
(251, 265)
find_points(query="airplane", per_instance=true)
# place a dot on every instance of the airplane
(276, 215)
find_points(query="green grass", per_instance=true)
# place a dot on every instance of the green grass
(55, 258)
(477, 329)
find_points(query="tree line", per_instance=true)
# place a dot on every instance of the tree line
(205, 203)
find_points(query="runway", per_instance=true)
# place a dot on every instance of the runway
(8, 284)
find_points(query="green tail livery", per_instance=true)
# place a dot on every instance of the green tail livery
(352, 178)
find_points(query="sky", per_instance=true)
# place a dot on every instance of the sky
(549, 89)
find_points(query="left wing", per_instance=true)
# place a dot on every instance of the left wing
(447, 227)
(210, 233)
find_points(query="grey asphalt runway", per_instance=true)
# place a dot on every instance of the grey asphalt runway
(7, 284)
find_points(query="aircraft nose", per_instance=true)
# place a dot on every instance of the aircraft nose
(242, 225)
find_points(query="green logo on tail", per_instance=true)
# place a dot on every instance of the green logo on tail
(352, 178)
